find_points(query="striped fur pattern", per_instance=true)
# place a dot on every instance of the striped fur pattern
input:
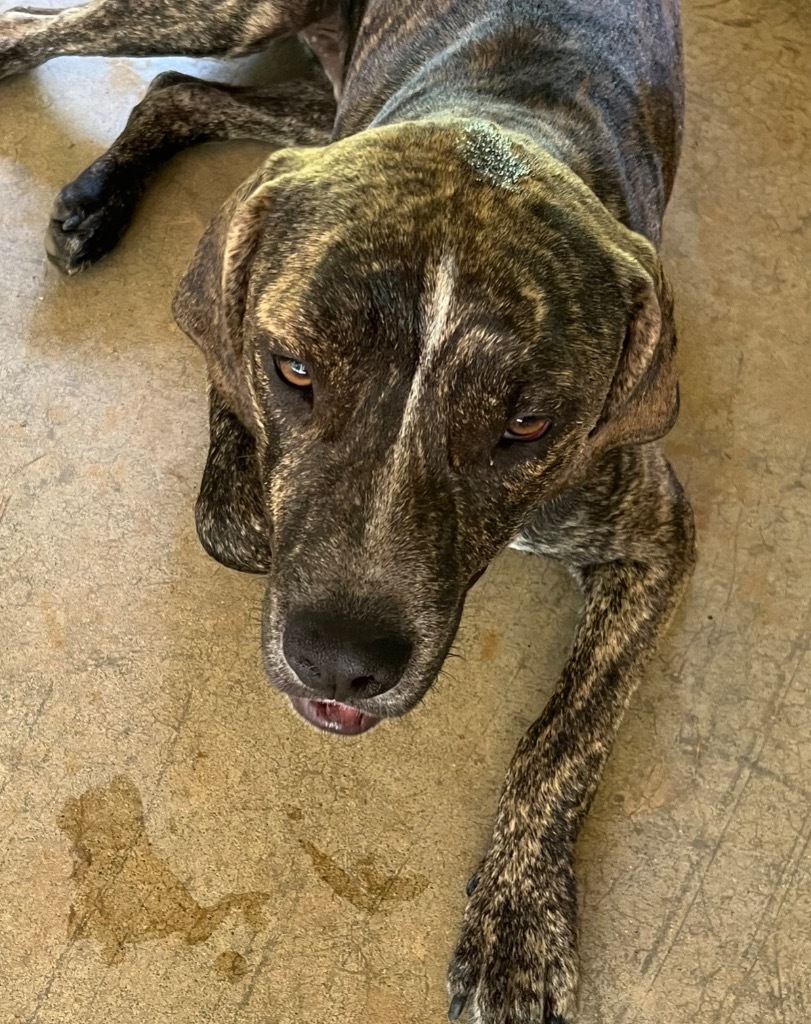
(460, 227)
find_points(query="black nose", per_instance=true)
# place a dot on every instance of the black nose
(342, 658)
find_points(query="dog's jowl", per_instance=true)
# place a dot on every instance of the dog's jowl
(436, 324)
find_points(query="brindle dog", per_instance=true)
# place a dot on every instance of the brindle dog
(434, 326)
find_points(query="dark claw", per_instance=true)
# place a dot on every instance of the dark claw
(456, 1007)
(69, 262)
(72, 222)
(472, 885)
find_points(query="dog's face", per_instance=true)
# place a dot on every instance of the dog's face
(430, 330)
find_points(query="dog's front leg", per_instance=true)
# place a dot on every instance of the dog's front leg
(628, 536)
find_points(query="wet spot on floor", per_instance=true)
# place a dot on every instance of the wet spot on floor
(489, 645)
(53, 624)
(125, 892)
(366, 887)
(231, 965)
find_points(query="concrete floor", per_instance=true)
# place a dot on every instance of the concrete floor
(176, 846)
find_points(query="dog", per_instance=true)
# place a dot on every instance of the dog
(435, 324)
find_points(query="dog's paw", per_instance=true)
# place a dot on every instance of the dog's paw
(89, 216)
(516, 959)
(18, 29)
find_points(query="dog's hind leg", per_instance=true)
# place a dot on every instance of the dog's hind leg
(92, 212)
(145, 28)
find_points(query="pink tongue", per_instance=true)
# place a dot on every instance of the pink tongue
(333, 717)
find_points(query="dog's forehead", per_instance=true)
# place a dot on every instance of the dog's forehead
(419, 187)
(412, 240)
(399, 307)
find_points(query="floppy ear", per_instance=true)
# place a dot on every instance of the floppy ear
(643, 400)
(209, 305)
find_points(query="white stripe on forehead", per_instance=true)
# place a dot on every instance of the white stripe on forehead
(437, 307)
(436, 314)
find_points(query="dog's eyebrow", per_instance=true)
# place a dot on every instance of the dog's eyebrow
(287, 330)
(267, 334)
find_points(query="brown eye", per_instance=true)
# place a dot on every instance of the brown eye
(526, 428)
(293, 372)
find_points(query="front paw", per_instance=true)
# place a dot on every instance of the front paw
(516, 959)
(89, 216)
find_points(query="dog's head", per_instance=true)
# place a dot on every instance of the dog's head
(430, 330)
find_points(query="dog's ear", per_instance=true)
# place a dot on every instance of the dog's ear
(643, 399)
(209, 305)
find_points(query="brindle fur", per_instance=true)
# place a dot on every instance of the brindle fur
(469, 232)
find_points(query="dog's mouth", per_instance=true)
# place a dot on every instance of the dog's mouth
(331, 716)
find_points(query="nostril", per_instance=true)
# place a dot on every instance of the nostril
(366, 687)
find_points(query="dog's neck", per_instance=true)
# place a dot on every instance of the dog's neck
(582, 88)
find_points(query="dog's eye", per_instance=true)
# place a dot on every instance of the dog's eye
(526, 428)
(293, 372)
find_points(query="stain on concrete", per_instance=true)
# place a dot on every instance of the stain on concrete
(53, 623)
(651, 792)
(231, 965)
(293, 812)
(126, 893)
(367, 888)
(489, 645)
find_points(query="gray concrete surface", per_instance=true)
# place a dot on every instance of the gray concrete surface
(175, 845)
